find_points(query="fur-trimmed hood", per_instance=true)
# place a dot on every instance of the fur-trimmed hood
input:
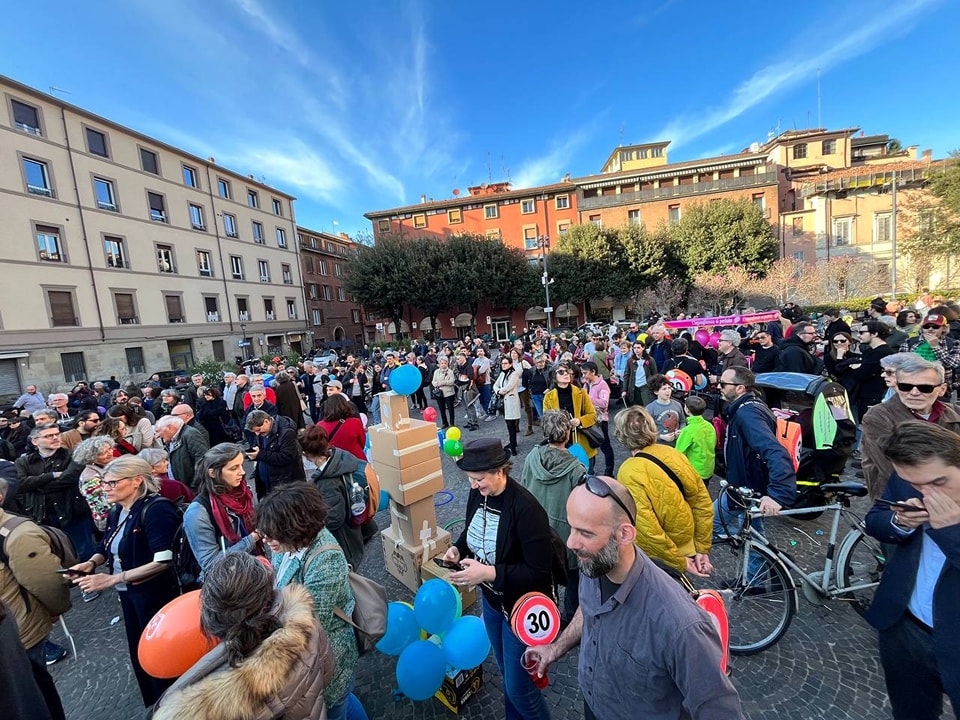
(285, 676)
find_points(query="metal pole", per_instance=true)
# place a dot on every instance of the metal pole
(893, 237)
(544, 242)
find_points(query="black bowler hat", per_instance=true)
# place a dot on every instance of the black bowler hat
(483, 455)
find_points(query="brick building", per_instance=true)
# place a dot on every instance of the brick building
(336, 320)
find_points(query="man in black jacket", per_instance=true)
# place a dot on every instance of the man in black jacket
(185, 445)
(765, 353)
(834, 323)
(277, 453)
(796, 352)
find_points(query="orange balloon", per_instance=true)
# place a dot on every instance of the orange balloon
(172, 642)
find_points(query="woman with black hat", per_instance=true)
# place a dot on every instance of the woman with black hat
(506, 549)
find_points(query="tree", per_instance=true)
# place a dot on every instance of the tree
(786, 280)
(378, 277)
(649, 255)
(518, 283)
(603, 267)
(714, 236)
(847, 276)
(475, 263)
(722, 291)
(432, 287)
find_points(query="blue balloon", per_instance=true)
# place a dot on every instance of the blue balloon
(402, 629)
(405, 380)
(384, 500)
(436, 606)
(420, 670)
(267, 380)
(703, 382)
(466, 644)
(580, 454)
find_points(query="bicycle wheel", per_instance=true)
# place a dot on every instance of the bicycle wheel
(860, 562)
(760, 604)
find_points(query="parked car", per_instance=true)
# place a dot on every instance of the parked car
(170, 378)
(327, 360)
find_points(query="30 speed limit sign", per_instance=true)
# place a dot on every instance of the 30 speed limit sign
(535, 619)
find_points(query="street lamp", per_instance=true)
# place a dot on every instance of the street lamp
(543, 242)
(243, 341)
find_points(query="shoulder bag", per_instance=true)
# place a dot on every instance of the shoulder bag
(666, 469)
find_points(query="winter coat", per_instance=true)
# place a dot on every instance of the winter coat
(41, 495)
(634, 394)
(795, 356)
(507, 385)
(445, 380)
(340, 468)
(583, 410)
(550, 474)
(21, 695)
(732, 359)
(754, 457)
(278, 461)
(670, 526)
(212, 415)
(186, 453)
(284, 677)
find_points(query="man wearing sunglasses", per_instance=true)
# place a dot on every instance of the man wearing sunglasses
(665, 662)
(933, 343)
(918, 391)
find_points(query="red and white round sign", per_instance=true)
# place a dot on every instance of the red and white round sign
(535, 619)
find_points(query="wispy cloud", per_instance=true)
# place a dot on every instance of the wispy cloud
(295, 166)
(782, 75)
(551, 167)
(646, 18)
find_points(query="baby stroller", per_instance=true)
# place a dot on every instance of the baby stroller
(822, 410)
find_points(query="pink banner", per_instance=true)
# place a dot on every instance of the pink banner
(723, 320)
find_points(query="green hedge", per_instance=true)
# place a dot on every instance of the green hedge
(862, 304)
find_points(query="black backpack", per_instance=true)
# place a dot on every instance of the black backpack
(185, 566)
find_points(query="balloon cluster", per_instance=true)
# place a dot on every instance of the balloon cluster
(452, 445)
(454, 642)
(707, 339)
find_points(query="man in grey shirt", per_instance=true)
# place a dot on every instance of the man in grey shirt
(646, 649)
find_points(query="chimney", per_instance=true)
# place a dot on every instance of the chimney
(423, 198)
(927, 155)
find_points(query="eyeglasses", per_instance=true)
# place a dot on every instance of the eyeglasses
(841, 341)
(113, 483)
(563, 372)
(924, 388)
(598, 487)
(889, 372)
(49, 436)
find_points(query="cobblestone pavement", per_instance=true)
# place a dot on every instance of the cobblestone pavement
(825, 667)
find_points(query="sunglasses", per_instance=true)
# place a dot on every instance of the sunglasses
(840, 342)
(563, 372)
(930, 327)
(598, 487)
(924, 388)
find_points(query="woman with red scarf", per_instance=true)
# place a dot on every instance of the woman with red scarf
(221, 518)
(116, 428)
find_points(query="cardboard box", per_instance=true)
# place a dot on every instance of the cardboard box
(430, 570)
(460, 687)
(404, 561)
(413, 483)
(407, 522)
(394, 411)
(413, 444)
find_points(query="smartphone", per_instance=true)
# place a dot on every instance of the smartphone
(903, 507)
(448, 564)
(68, 571)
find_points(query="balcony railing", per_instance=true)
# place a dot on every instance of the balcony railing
(269, 315)
(129, 321)
(213, 317)
(676, 191)
(39, 190)
(104, 205)
(244, 317)
(863, 180)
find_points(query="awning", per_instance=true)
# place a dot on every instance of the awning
(404, 328)
(426, 324)
(463, 320)
(13, 355)
(567, 310)
(535, 313)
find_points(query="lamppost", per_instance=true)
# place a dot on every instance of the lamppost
(543, 242)
(243, 341)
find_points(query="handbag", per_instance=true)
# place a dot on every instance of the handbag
(436, 393)
(593, 434)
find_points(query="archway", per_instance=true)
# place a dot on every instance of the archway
(339, 334)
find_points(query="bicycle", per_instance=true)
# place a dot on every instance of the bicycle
(761, 604)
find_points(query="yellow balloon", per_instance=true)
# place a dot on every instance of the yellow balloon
(453, 433)
(642, 337)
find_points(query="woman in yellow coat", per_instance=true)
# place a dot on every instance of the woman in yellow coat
(564, 395)
(674, 510)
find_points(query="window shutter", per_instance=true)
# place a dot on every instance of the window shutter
(61, 308)
(174, 309)
(125, 310)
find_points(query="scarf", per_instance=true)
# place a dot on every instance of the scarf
(239, 501)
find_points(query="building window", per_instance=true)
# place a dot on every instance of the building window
(126, 308)
(149, 161)
(243, 310)
(656, 152)
(264, 268)
(196, 217)
(317, 317)
(419, 221)
(106, 198)
(313, 291)
(277, 207)
(174, 305)
(562, 202)
(383, 226)
(829, 147)
(287, 275)
(74, 368)
(158, 207)
(327, 295)
(212, 308)
(26, 117)
(165, 259)
(203, 264)
(223, 188)
(323, 266)
(642, 154)
(115, 251)
(62, 308)
(190, 177)
(341, 295)
(338, 269)
(236, 267)
(268, 309)
(49, 244)
(881, 228)
(493, 234)
(799, 151)
(633, 217)
(563, 228)
(291, 309)
(258, 233)
(595, 220)
(798, 255)
(135, 362)
(491, 212)
(308, 265)
(230, 225)
(281, 238)
(842, 231)
(797, 226)
(530, 241)
(97, 143)
(528, 206)
(455, 216)
(759, 201)
(253, 200)
(673, 213)
(38, 177)
(356, 316)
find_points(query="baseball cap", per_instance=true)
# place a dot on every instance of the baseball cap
(334, 384)
(934, 319)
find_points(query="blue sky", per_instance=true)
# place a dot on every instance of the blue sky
(359, 106)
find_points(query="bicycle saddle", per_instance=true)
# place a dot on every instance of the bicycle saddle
(853, 489)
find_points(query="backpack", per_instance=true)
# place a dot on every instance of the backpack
(186, 567)
(60, 543)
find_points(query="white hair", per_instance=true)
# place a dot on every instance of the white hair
(168, 421)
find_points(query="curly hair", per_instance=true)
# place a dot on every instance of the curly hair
(635, 428)
(293, 514)
(556, 426)
(236, 603)
(87, 451)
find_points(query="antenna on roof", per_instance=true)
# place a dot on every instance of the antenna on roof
(54, 88)
(489, 169)
(621, 134)
(819, 118)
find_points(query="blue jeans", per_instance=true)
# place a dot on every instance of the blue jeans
(375, 409)
(538, 404)
(733, 517)
(486, 392)
(522, 699)
(349, 708)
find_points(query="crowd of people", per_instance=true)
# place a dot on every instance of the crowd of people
(120, 470)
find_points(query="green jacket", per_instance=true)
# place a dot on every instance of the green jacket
(550, 474)
(698, 441)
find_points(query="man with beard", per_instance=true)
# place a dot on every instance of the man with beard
(633, 617)
(796, 352)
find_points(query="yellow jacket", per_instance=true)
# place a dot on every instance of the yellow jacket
(583, 408)
(670, 526)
